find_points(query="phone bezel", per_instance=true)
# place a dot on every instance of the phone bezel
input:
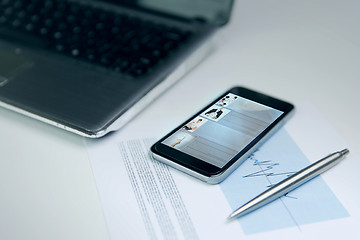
(209, 170)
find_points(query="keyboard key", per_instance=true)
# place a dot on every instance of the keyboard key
(116, 41)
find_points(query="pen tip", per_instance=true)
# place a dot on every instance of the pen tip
(236, 214)
(230, 217)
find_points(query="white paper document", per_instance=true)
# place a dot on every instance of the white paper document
(145, 199)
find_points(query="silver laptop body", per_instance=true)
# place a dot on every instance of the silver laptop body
(85, 93)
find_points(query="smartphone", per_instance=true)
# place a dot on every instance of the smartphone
(216, 140)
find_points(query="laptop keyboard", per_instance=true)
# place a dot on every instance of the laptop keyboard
(118, 42)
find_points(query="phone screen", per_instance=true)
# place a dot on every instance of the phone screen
(219, 133)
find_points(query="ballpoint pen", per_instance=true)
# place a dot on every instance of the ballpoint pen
(290, 183)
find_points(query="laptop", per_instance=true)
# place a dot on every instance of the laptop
(90, 66)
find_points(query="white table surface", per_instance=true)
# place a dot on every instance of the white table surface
(294, 50)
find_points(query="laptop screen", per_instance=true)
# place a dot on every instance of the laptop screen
(214, 11)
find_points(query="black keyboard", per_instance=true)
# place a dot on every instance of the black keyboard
(118, 42)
